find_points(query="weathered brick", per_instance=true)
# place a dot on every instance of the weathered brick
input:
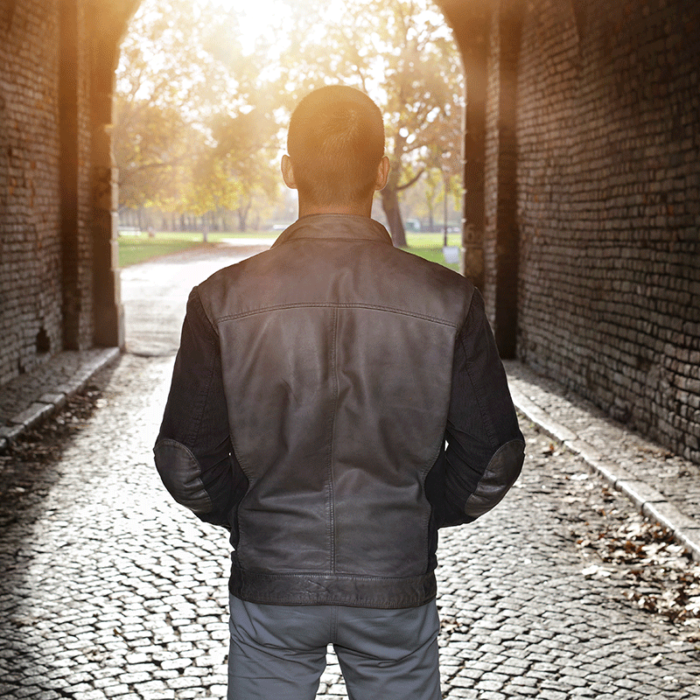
(30, 227)
(609, 281)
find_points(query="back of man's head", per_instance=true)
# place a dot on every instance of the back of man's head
(335, 143)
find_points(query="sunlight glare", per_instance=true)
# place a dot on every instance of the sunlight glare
(258, 19)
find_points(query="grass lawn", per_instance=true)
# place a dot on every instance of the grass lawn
(429, 246)
(136, 249)
(139, 248)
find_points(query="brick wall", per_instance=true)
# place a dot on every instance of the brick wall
(608, 194)
(605, 198)
(30, 254)
(83, 337)
(45, 266)
(491, 174)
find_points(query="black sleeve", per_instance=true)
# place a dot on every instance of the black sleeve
(485, 448)
(193, 451)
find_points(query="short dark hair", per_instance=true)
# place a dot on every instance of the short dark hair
(335, 142)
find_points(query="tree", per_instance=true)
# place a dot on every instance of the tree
(198, 115)
(433, 182)
(153, 136)
(403, 55)
(153, 148)
(194, 117)
(236, 170)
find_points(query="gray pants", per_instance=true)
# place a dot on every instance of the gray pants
(279, 652)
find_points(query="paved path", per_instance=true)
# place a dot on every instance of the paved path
(154, 294)
(662, 485)
(111, 590)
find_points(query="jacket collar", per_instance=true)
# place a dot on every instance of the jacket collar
(335, 226)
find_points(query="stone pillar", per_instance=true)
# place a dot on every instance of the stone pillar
(108, 21)
(109, 312)
(470, 23)
(474, 156)
(504, 225)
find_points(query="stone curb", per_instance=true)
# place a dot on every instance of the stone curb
(53, 400)
(650, 502)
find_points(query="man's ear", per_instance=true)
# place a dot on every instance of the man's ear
(288, 172)
(382, 174)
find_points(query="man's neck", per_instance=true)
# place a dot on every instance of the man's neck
(359, 209)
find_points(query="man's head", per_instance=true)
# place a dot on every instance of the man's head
(336, 150)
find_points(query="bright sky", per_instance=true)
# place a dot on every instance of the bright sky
(258, 18)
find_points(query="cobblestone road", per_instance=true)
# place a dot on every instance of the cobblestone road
(110, 590)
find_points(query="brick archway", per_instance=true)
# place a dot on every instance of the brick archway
(593, 218)
(488, 36)
(59, 282)
(495, 273)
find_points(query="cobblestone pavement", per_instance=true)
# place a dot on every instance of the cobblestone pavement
(110, 590)
(17, 395)
(113, 591)
(665, 487)
(30, 398)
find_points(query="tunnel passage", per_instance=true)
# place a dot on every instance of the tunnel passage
(581, 174)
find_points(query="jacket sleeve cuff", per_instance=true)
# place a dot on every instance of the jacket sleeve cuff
(501, 472)
(182, 475)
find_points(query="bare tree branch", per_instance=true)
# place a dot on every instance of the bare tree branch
(412, 181)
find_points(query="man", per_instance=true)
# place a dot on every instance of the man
(314, 391)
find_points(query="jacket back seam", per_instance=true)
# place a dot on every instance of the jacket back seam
(335, 305)
(331, 449)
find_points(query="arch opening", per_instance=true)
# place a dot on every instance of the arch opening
(426, 165)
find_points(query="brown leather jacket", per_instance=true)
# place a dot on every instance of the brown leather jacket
(333, 368)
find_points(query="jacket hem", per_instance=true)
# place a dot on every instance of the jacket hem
(332, 589)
